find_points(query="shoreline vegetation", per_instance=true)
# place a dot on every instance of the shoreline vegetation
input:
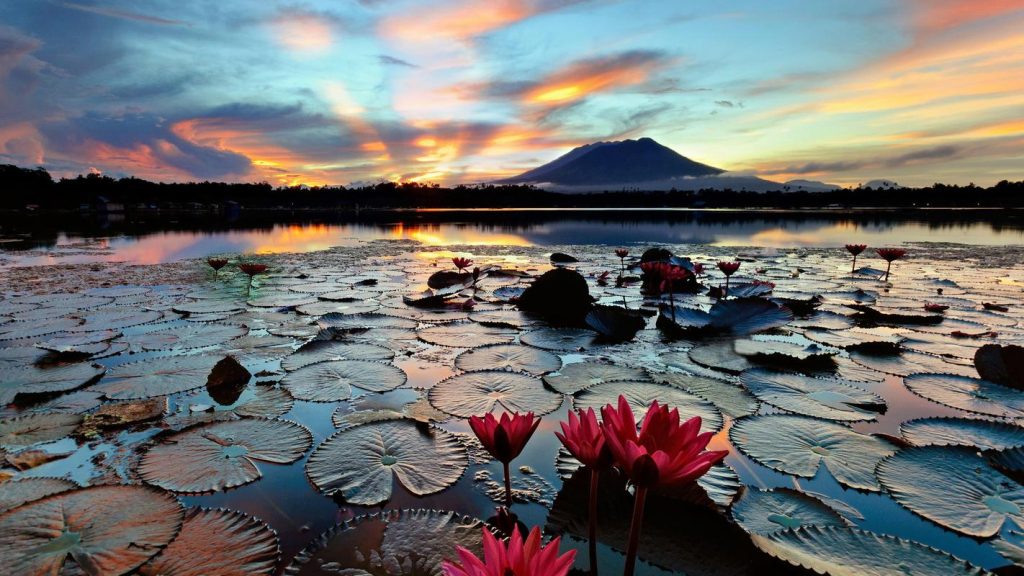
(35, 190)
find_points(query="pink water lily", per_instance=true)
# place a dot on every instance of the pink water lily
(505, 438)
(517, 557)
(583, 438)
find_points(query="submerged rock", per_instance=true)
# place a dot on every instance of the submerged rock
(561, 296)
(227, 380)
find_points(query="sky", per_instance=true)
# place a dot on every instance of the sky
(457, 91)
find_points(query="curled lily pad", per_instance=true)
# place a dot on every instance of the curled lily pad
(252, 348)
(871, 340)
(770, 511)
(263, 400)
(907, 363)
(360, 464)
(331, 350)
(333, 381)
(217, 543)
(84, 343)
(734, 317)
(798, 445)
(476, 393)
(824, 320)
(970, 394)
(824, 398)
(954, 487)
(733, 400)
(560, 339)
(104, 530)
(157, 377)
(466, 335)
(508, 357)
(720, 355)
(189, 336)
(391, 542)
(37, 428)
(777, 351)
(641, 395)
(984, 434)
(331, 307)
(614, 323)
(18, 492)
(852, 552)
(29, 379)
(222, 455)
(420, 411)
(209, 306)
(573, 378)
(510, 318)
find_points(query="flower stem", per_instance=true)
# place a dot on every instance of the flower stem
(887, 268)
(508, 486)
(592, 519)
(672, 304)
(854, 267)
(726, 293)
(634, 530)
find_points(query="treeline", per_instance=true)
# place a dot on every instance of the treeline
(35, 187)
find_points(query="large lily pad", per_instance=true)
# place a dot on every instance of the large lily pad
(823, 398)
(466, 335)
(798, 445)
(389, 543)
(116, 318)
(104, 530)
(970, 394)
(573, 378)
(731, 399)
(508, 357)
(222, 455)
(954, 487)
(561, 339)
(770, 511)
(30, 379)
(32, 329)
(217, 543)
(333, 381)
(17, 492)
(984, 434)
(852, 552)
(189, 336)
(330, 350)
(477, 393)
(36, 428)
(641, 395)
(157, 377)
(419, 411)
(907, 363)
(735, 317)
(360, 464)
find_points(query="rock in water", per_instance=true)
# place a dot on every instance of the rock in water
(226, 381)
(560, 295)
(563, 258)
(656, 255)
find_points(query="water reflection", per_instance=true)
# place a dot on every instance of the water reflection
(73, 239)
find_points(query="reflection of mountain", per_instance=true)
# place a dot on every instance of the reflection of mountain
(634, 164)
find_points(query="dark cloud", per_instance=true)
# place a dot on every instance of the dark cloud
(936, 153)
(392, 61)
(728, 104)
(917, 156)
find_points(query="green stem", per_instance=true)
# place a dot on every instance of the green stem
(634, 530)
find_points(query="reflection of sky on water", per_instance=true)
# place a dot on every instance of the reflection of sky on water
(775, 232)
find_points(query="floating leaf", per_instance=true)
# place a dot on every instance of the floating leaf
(267, 401)
(359, 464)
(798, 445)
(1011, 546)
(157, 377)
(104, 530)
(1001, 364)
(734, 401)
(641, 395)
(209, 306)
(364, 321)
(984, 434)
(852, 552)
(511, 318)
(189, 336)
(954, 487)
(84, 343)
(18, 492)
(824, 398)
(328, 307)
(508, 357)
(217, 543)
(420, 411)
(560, 339)
(770, 511)
(736, 317)
(253, 348)
(871, 340)
(42, 380)
(970, 394)
(116, 319)
(391, 542)
(476, 393)
(466, 335)
(331, 350)
(573, 378)
(780, 352)
(908, 363)
(615, 324)
(720, 355)
(32, 329)
(824, 320)
(36, 428)
(333, 381)
(222, 455)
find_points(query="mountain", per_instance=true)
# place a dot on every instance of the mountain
(810, 186)
(882, 184)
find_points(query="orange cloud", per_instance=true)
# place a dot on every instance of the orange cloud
(303, 33)
(937, 15)
(456, 20)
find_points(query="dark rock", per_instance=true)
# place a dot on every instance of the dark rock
(1001, 364)
(656, 255)
(561, 296)
(562, 258)
(226, 381)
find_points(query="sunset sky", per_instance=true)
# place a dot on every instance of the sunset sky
(448, 91)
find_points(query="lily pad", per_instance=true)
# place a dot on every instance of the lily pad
(720, 355)
(266, 400)
(189, 336)
(732, 400)
(970, 394)
(641, 395)
(770, 511)
(29, 379)
(798, 445)
(954, 487)
(513, 357)
(983, 434)
(116, 319)
(823, 398)
(36, 428)
(360, 464)
(364, 321)
(419, 411)
(157, 377)
(222, 455)
(852, 552)
(388, 543)
(466, 335)
(18, 492)
(734, 317)
(477, 393)
(333, 381)
(103, 530)
(217, 543)
(561, 339)
(331, 350)
(209, 306)
(907, 363)
(573, 378)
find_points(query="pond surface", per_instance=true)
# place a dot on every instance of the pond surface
(354, 402)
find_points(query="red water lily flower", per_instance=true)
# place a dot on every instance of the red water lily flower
(462, 263)
(517, 557)
(621, 252)
(583, 438)
(505, 438)
(855, 249)
(698, 268)
(251, 269)
(930, 307)
(217, 263)
(890, 254)
(728, 268)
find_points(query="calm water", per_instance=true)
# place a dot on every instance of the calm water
(162, 238)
